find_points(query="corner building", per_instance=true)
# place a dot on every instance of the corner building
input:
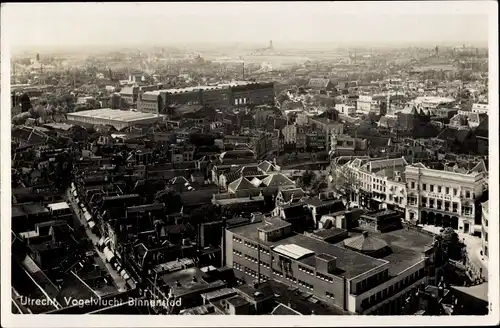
(339, 274)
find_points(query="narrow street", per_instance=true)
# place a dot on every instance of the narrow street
(119, 281)
(473, 245)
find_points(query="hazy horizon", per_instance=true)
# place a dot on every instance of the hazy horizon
(36, 27)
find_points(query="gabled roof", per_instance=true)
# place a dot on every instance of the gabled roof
(256, 182)
(282, 309)
(266, 166)
(318, 83)
(296, 193)
(480, 167)
(240, 184)
(277, 180)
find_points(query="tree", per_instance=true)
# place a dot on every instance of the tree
(319, 185)
(202, 214)
(171, 199)
(451, 244)
(343, 181)
(306, 179)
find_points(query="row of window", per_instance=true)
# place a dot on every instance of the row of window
(251, 259)
(306, 270)
(393, 289)
(330, 295)
(264, 264)
(429, 202)
(251, 245)
(324, 277)
(371, 282)
(249, 271)
(305, 284)
(440, 189)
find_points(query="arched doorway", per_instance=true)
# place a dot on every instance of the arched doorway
(423, 217)
(431, 218)
(446, 221)
(454, 222)
(439, 220)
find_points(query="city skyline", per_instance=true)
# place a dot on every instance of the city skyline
(193, 23)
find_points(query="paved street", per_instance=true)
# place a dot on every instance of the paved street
(119, 281)
(473, 245)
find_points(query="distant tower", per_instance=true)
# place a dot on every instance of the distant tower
(437, 51)
(271, 44)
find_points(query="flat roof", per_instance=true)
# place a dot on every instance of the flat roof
(114, 115)
(58, 206)
(273, 224)
(407, 247)
(349, 263)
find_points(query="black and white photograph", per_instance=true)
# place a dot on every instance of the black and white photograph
(256, 159)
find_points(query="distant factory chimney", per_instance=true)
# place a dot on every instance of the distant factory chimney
(271, 44)
(437, 51)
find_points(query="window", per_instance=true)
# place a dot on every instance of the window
(424, 187)
(431, 203)
(485, 236)
(330, 295)
(455, 191)
(467, 194)
(439, 189)
(431, 187)
(412, 185)
(424, 201)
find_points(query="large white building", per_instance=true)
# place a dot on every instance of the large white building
(444, 197)
(364, 104)
(378, 181)
(118, 118)
(345, 109)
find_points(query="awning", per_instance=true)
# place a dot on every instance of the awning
(109, 255)
(107, 241)
(91, 224)
(124, 274)
(87, 216)
(101, 241)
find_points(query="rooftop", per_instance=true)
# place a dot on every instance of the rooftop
(114, 115)
(349, 263)
(300, 302)
(407, 247)
(273, 224)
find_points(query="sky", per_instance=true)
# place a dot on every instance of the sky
(92, 24)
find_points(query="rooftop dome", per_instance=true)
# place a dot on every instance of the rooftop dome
(366, 243)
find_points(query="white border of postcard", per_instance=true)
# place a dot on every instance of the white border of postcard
(488, 8)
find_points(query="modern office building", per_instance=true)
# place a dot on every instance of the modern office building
(369, 273)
